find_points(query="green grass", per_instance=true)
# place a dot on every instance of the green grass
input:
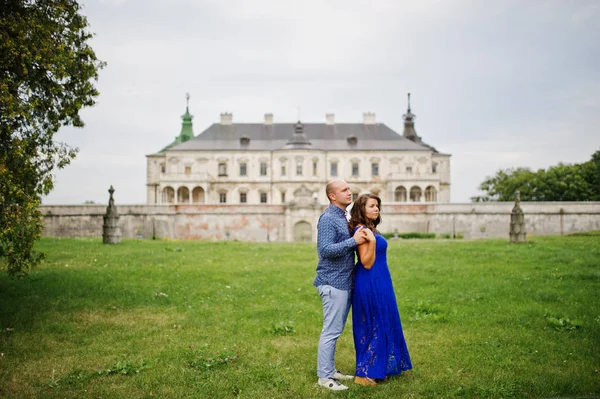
(241, 320)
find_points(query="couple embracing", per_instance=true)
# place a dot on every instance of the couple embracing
(378, 338)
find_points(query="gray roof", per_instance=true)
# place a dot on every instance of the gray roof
(279, 136)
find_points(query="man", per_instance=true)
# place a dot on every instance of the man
(335, 247)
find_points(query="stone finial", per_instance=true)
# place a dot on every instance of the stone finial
(517, 221)
(111, 233)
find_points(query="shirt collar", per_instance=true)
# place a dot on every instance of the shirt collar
(338, 210)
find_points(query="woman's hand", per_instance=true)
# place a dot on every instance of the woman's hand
(369, 234)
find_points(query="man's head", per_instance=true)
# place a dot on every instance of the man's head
(339, 194)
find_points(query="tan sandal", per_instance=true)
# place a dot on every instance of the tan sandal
(365, 381)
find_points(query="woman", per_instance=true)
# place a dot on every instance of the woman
(378, 338)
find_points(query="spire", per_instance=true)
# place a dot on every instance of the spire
(409, 124)
(187, 132)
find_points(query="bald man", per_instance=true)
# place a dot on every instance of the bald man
(335, 247)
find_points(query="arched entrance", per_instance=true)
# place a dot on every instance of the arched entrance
(303, 232)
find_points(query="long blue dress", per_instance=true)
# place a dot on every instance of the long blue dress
(378, 338)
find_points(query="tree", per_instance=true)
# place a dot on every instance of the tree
(505, 183)
(47, 75)
(578, 182)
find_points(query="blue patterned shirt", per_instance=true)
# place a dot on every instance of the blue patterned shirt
(335, 247)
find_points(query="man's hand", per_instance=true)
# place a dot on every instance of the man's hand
(360, 236)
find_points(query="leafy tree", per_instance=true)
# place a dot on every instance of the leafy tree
(505, 183)
(578, 182)
(47, 74)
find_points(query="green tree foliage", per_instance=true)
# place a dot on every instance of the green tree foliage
(578, 182)
(47, 74)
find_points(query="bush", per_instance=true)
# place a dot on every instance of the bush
(447, 236)
(409, 235)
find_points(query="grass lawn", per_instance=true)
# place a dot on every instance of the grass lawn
(171, 319)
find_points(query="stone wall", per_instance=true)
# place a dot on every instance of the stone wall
(270, 222)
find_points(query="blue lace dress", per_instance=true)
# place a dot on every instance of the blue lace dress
(378, 338)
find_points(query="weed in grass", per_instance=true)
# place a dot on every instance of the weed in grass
(196, 359)
(563, 323)
(177, 249)
(283, 328)
(427, 311)
(124, 367)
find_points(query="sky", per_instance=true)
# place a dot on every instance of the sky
(496, 84)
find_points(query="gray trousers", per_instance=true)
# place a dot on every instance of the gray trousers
(336, 305)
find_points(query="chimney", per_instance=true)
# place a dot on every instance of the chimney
(330, 119)
(369, 118)
(268, 119)
(226, 118)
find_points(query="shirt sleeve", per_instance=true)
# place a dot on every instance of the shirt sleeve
(326, 245)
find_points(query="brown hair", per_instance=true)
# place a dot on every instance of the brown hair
(358, 215)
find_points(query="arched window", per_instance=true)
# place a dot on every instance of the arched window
(400, 194)
(183, 195)
(168, 195)
(198, 195)
(430, 194)
(415, 194)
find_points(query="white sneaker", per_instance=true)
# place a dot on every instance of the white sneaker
(339, 376)
(331, 384)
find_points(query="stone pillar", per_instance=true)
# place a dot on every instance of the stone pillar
(517, 222)
(111, 233)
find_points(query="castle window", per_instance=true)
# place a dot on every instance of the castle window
(188, 170)
(400, 194)
(299, 168)
(374, 169)
(354, 169)
(263, 168)
(222, 169)
(243, 198)
(283, 171)
(315, 166)
(263, 198)
(163, 168)
(283, 197)
(223, 198)
(409, 169)
(434, 168)
(333, 170)
(244, 169)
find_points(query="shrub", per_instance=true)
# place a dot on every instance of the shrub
(409, 235)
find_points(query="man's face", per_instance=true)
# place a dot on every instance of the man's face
(342, 194)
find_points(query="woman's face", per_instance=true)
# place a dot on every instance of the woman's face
(372, 209)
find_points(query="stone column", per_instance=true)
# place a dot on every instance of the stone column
(111, 233)
(517, 222)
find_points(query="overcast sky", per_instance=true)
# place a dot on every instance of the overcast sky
(496, 84)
